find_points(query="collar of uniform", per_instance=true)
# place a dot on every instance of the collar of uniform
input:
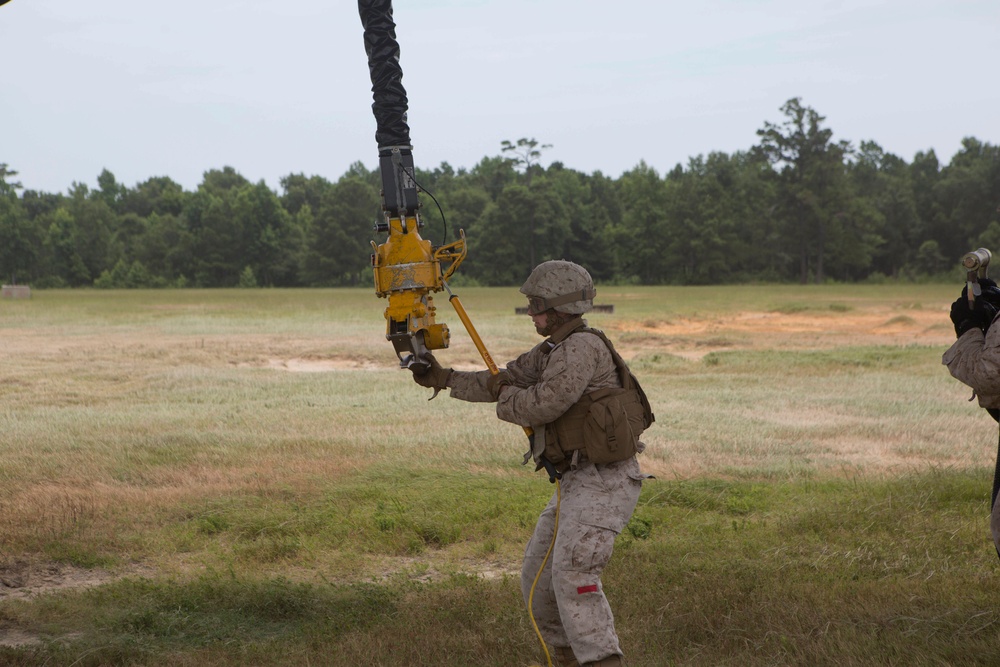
(563, 332)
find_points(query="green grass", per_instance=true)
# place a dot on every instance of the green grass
(821, 495)
(709, 571)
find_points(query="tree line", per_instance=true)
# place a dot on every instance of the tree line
(796, 207)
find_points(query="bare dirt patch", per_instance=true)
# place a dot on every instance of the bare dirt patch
(423, 571)
(343, 364)
(694, 337)
(15, 637)
(688, 337)
(300, 365)
(22, 579)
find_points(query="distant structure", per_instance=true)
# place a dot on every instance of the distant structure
(598, 308)
(15, 292)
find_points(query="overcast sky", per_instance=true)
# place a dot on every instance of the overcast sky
(271, 88)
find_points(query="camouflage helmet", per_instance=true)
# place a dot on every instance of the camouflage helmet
(558, 284)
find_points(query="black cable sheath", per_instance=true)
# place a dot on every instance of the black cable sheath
(390, 103)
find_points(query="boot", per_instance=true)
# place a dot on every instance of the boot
(565, 658)
(610, 661)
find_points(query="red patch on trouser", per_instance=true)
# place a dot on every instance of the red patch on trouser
(586, 589)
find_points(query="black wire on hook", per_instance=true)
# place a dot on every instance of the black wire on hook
(440, 210)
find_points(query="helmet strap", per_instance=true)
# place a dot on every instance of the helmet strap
(580, 295)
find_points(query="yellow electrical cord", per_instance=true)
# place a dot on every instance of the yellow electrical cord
(491, 365)
(531, 595)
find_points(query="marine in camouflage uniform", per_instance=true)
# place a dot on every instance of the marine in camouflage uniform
(597, 500)
(974, 360)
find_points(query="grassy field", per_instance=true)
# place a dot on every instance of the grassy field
(245, 477)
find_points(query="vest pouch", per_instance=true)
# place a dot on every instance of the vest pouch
(612, 425)
(565, 434)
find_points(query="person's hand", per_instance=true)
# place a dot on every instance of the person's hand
(965, 318)
(989, 289)
(990, 293)
(497, 382)
(433, 377)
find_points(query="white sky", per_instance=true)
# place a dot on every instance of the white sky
(271, 88)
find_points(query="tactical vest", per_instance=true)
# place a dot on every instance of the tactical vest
(606, 423)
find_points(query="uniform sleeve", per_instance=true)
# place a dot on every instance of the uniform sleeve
(473, 386)
(569, 369)
(470, 386)
(975, 360)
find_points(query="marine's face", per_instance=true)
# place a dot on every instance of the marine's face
(545, 322)
(540, 320)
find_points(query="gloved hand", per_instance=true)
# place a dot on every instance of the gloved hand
(990, 291)
(435, 377)
(965, 318)
(497, 382)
